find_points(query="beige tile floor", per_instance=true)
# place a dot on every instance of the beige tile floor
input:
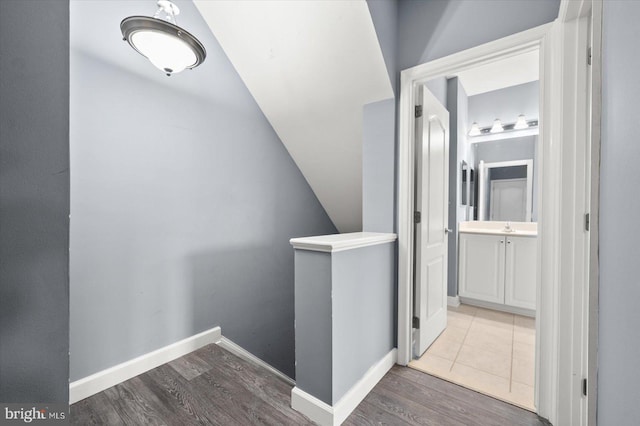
(488, 351)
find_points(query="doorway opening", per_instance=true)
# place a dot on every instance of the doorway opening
(565, 290)
(480, 245)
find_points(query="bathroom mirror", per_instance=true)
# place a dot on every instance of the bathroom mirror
(505, 191)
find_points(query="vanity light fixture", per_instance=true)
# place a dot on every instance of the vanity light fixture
(475, 130)
(497, 126)
(521, 123)
(170, 48)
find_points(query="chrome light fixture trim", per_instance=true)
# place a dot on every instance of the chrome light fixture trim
(134, 24)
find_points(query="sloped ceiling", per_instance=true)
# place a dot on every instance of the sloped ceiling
(311, 66)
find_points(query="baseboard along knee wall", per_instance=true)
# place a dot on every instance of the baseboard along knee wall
(316, 410)
(327, 415)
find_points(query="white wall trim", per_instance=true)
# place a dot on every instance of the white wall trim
(453, 301)
(340, 242)
(307, 404)
(327, 415)
(90, 385)
(241, 352)
(499, 307)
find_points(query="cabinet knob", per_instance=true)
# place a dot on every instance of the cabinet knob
(501, 241)
(508, 242)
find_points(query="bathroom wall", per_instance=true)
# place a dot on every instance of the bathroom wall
(505, 104)
(619, 289)
(438, 87)
(34, 202)
(459, 150)
(183, 201)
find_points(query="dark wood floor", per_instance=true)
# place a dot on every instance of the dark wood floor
(214, 387)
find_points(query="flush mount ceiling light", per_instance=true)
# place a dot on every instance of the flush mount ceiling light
(497, 126)
(170, 48)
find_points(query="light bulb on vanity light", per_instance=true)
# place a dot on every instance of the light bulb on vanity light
(521, 123)
(475, 130)
(497, 126)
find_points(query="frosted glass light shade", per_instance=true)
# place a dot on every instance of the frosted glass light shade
(497, 126)
(521, 123)
(167, 53)
(169, 48)
(475, 130)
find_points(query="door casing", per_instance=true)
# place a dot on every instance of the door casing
(569, 130)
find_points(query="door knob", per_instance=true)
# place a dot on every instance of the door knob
(447, 230)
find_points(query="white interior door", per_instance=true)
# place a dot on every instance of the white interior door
(509, 200)
(431, 200)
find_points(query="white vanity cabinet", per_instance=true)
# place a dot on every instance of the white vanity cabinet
(520, 272)
(481, 274)
(500, 269)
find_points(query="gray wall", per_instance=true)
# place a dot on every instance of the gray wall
(619, 345)
(182, 204)
(384, 14)
(459, 150)
(363, 312)
(34, 201)
(432, 29)
(345, 312)
(505, 104)
(313, 314)
(438, 87)
(378, 184)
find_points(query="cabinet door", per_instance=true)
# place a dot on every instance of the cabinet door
(481, 267)
(520, 278)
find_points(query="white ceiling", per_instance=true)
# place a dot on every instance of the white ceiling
(311, 66)
(512, 71)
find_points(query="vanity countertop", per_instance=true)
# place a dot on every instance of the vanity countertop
(521, 229)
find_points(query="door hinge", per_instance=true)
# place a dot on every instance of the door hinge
(589, 56)
(587, 221)
(417, 217)
(584, 387)
(418, 111)
(415, 323)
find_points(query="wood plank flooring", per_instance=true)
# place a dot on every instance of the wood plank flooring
(211, 386)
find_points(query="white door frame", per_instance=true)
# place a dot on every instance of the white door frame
(565, 314)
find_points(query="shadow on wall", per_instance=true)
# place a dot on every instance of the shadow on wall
(434, 29)
(428, 22)
(262, 325)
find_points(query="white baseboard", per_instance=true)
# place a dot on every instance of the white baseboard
(499, 307)
(327, 415)
(246, 355)
(453, 301)
(307, 404)
(90, 385)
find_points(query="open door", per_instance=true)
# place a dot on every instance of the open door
(432, 206)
